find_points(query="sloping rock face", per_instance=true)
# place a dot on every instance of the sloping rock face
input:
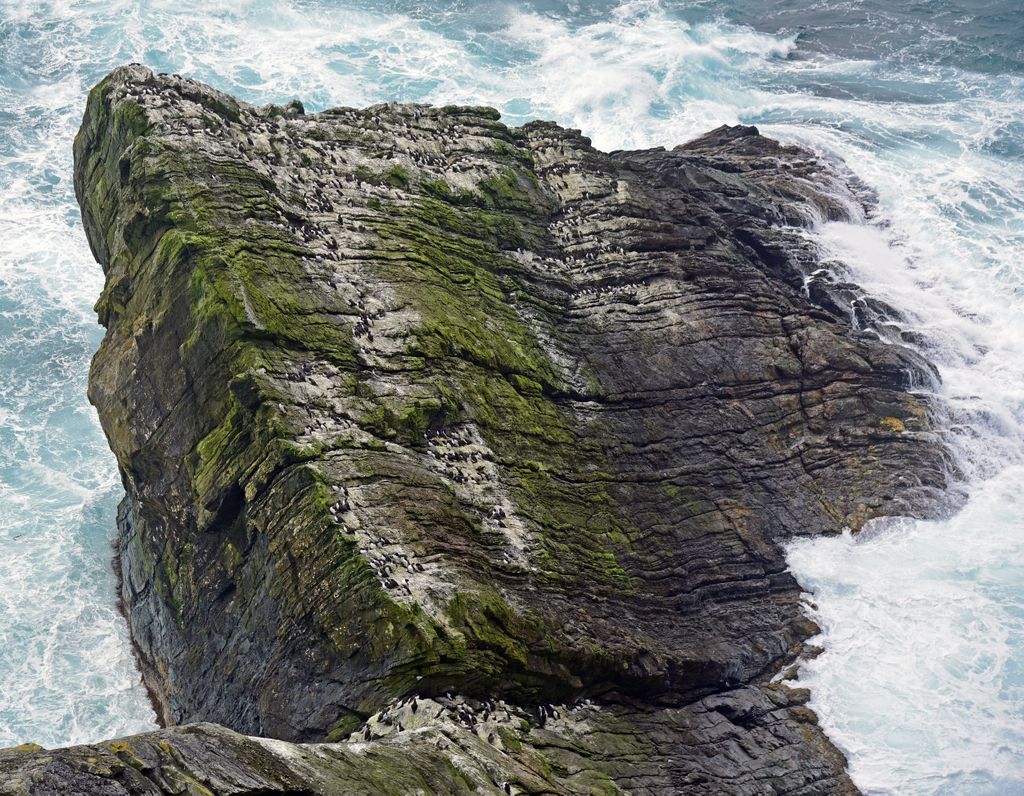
(407, 401)
(430, 749)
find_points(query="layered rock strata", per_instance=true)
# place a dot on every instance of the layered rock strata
(411, 405)
(456, 746)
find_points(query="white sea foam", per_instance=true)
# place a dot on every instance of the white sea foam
(642, 78)
(923, 678)
(66, 671)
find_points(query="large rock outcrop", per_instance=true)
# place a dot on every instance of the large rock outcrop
(408, 402)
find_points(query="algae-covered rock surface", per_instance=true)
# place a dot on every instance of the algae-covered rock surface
(417, 410)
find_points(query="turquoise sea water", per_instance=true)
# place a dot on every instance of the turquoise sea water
(922, 681)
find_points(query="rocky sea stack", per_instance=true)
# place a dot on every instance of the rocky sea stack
(459, 457)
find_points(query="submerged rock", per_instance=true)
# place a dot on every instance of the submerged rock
(411, 403)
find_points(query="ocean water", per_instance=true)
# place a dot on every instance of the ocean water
(922, 678)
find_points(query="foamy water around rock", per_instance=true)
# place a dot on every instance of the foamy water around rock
(921, 679)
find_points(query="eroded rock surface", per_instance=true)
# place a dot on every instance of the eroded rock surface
(408, 402)
(455, 746)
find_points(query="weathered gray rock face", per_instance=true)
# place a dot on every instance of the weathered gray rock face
(408, 402)
(705, 748)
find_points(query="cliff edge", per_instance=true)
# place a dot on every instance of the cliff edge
(472, 449)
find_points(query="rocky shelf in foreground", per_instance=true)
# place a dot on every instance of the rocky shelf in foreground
(471, 450)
